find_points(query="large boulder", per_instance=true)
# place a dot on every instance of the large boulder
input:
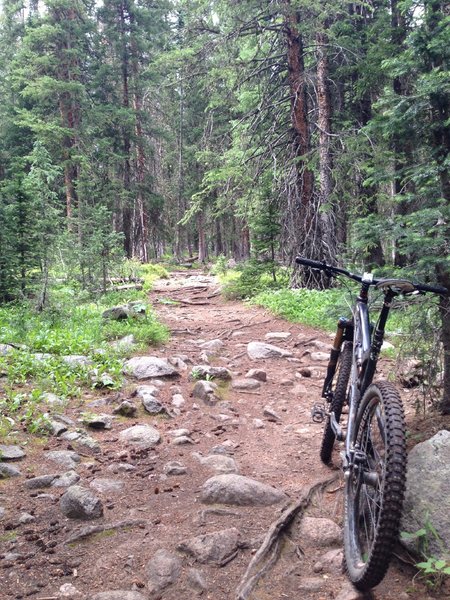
(427, 497)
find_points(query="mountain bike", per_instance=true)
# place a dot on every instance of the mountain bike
(374, 456)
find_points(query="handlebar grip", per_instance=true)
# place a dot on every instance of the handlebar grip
(313, 264)
(436, 289)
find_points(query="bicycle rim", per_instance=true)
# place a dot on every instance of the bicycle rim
(375, 486)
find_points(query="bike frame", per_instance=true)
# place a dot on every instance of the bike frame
(366, 350)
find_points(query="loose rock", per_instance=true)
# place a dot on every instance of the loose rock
(274, 336)
(246, 384)
(65, 458)
(217, 548)
(204, 371)
(106, 486)
(206, 391)
(148, 367)
(163, 570)
(219, 463)
(7, 471)
(239, 491)
(11, 452)
(258, 350)
(118, 595)
(321, 532)
(143, 436)
(80, 503)
(259, 374)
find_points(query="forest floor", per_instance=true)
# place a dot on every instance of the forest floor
(265, 434)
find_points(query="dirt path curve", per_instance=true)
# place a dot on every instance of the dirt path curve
(158, 538)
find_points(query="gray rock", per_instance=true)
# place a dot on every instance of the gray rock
(66, 480)
(320, 532)
(43, 481)
(11, 452)
(102, 421)
(7, 471)
(57, 428)
(259, 350)
(197, 580)
(258, 424)
(204, 371)
(322, 346)
(25, 518)
(147, 367)
(153, 406)
(411, 373)
(182, 440)
(206, 391)
(163, 570)
(310, 584)
(75, 360)
(121, 467)
(427, 494)
(240, 491)
(80, 503)
(277, 336)
(126, 409)
(106, 486)
(178, 401)
(119, 595)
(348, 592)
(66, 458)
(116, 313)
(124, 344)
(319, 356)
(2, 512)
(67, 590)
(144, 391)
(219, 463)
(143, 436)
(331, 562)
(178, 363)
(175, 468)
(246, 384)
(179, 433)
(6, 349)
(52, 399)
(271, 414)
(217, 548)
(259, 374)
(213, 346)
(80, 438)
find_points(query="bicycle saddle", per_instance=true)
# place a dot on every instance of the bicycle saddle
(402, 286)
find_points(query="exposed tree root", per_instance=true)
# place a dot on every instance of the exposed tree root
(267, 555)
(85, 532)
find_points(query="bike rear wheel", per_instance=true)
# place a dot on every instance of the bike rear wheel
(375, 486)
(339, 396)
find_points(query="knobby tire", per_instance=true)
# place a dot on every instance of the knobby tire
(337, 402)
(375, 486)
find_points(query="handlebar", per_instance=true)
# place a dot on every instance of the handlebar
(330, 271)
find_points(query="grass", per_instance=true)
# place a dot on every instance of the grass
(71, 325)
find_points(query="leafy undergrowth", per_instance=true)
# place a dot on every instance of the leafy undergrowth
(72, 325)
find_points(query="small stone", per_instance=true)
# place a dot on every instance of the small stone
(2, 512)
(246, 384)
(331, 562)
(206, 391)
(258, 424)
(116, 313)
(66, 480)
(277, 336)
(348, 592)
(118, 595)
(213, 346)
(124, 344)
(321, 532)
(126, 409)
(197, 580)
(319, 356)
(101, 421)
(310, 584)
(179, 432)
(239, 491)
(26, 518)
(51, 399)
(219, 463)
(217, 548)
(65, 458)
(80, 503)
(259, 374)
(182, 440)
(175, 468)
(153, 406)
(259, 350)
(77, 360)
(271, 414)
(106, 486)
(163, 570)
(148, 367)
(67, 590)
(11, 452)
(204, 371)
(178, 401)
(142, 436)
(43, 481)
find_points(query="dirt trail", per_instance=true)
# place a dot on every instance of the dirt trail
(267, 432)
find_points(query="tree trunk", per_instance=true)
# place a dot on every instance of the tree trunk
(202, 249)
(327, 216)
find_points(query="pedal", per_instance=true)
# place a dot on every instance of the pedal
(318, 413)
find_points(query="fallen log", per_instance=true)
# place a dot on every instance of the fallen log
(267, 554)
